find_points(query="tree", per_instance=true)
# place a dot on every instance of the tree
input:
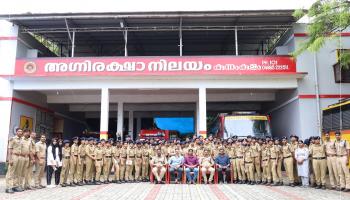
(328, 19)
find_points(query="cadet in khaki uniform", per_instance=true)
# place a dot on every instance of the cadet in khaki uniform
(14, 152)
(240, 162)
(207, 165)
(279, 161)
(294, 144)
(232, 154)
(81, 161)
(343, 153)
(26, 154)
(319, 163)
(138, 161)
(287, 153)
(130, 163)
(73, 163)
(248, 162)
(265, 163)
(99, 153)
(256, 154)
(40, 149)
(146, 153)
(123, 156)
(107, 162)
(331, 161)
(89, 160)
(274, 156)
(66, 154)
(312, 173)
(158, 166)
(29, 175)
(116, 163)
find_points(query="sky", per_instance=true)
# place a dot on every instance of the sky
(75, 6)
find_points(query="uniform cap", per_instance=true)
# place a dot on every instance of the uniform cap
(76, 138)
(66, 141)
(284, 138)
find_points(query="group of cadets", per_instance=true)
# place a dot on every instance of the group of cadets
(252, 160)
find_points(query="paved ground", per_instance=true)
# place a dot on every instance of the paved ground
(149, 191)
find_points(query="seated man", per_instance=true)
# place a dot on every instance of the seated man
(158, 167)
(222, 162)
(191, 167)
(207, 165)
(176, 162)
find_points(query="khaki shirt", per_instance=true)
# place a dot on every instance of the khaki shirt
(15, 144)
(240, 151)
(200, 152)
(26, 146)
(123, 153)
(146, 152)
(341, 147)
(158, 160)
(131, 153)
(81, 150)
(66, 152)
(256, 149)
(115, 152)
(108, 151)
(318, 151)
(90, 151)
(138, 152)
(206, 161)
(40, 149)
(287, 150)
(248, 154)
(74, 150)
(274, 151)
(99, 153)
(330, 148)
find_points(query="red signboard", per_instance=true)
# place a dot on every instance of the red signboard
(159, 66)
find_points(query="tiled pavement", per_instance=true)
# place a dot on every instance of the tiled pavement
(149, 191)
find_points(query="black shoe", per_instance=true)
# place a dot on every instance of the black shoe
(280, 183)
(275, 184)
(17, 189)
(10, 191)
(63, 185)
(346, 190)
(291, 184)
(80, 184)
(98, 183)
(323, 187)
(318, 187)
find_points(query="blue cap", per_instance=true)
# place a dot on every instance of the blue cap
(66, 141)
(76, 138)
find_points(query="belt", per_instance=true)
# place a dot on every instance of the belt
(82, 156)
(138, 156)
(331, 155)
(123, 157)
(145, 156)
(131, 156)
(18, 154)
(341, 155)
(248, 162)
(273, 158)
(320, 158)
(265, 160)
(108, 156)
(239, 156)
(76, 155)
(98, 159)
(287, 157)
(233, 157)
(66, 157)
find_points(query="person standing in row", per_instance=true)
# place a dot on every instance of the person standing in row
(331, 161)
(81, 161)
(40, 149)
(52, 153)
(302, 158)
(66, 154)
(27, 158)
(99, 153)
(90, 158)
(319, 163)
(343, 152)
(29, 184)
(107, 161)
(73, 162)
(287, 153)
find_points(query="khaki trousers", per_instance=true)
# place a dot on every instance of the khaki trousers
(122, 169)
(116, 167)
(257, 167)
(39, 171)
(73, 172)
(138, 166)
(320, 169)
(145, 168)
(107, 168)
(64, 170)
(266, 174)
(129, 170)
(234, 168)
(88, 171)
(80, 170)
(98, 166)
(343, 172)
(249, 168)
(273, 169)
(211, 171)
(158, 172)
(288, 165)
(332, 171)
(240, 169)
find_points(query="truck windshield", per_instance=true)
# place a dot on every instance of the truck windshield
(244, 127)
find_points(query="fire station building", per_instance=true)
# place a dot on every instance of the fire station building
(112, 73)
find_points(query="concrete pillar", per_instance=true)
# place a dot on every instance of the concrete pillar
(8, 52)
(104, 113)
(131, 124)
(202, 112)
(6, 93)
(138, 125)
(120, 120)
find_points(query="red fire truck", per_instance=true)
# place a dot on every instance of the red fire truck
(158, 134)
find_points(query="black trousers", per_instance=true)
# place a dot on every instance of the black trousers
(49, 173)
(57, 175)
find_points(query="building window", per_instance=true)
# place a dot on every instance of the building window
(341, 74)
